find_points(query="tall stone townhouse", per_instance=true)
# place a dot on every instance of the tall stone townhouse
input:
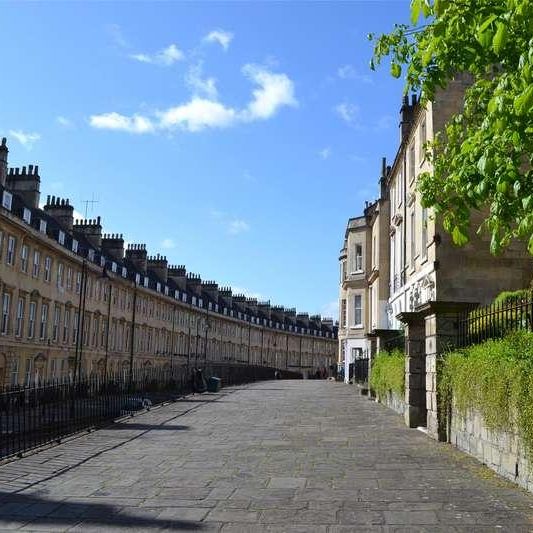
(403, 247)
(69, 292)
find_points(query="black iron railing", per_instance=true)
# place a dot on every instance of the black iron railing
(360, 370)
(513, 313)
(33, 416)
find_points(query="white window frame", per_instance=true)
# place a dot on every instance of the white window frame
(42, 226)
(47, 268)
(26, 215)
(6, 304)
(357, 309)
(7, 200)
(32, 312)
(11, 247)
(24, 255)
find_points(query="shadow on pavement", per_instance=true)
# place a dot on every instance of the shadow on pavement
(148, 427)
(39, 512)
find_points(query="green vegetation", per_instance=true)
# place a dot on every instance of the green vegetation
(506, 313)
(494, 378)
(484, 159)
(388, 373)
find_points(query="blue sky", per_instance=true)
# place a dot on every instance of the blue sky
(235, 138)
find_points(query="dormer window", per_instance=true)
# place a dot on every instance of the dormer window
(75, 246)
(166, 290)
(231, 313)
(216, 308)
(26, 215)
(210, 306)
(102, 261)
(184, 297)
(42, 226)
(90, 255)
(200, 302)
(124, 272)
(113, 266)
(7, 199)
(138, 279)
(146, 280)
(61, 237)
(158, 287)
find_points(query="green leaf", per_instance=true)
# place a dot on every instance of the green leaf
(459, 237)
(523, 103)
(484, 38)
(500, 38)
(487, 22)
(530, 245)
(396, 70)
(416, 6)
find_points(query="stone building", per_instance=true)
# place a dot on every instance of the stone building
(364, 280)
(423, 269)
(70, 292)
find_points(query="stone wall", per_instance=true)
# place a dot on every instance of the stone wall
(500, 451)
(394, 402)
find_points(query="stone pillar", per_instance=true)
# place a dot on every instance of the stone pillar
(415, 369)
(441, 337)
(441, 325)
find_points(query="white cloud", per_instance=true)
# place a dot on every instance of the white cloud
(237, 226)
(325, 153)
(232, 224)
(168, 244)
(331, 310)
(274, 92)
(222, 37)
(348, 112)
(25, 138)
(196, 115)
(166, 57)
(115, 31)
(348, 72)
(116, 121)
(199, 85)
(64, 121)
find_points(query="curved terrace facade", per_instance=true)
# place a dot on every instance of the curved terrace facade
(71, 293)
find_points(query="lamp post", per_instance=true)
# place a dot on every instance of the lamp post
(207, 326)
(132, 341)
(104, 275)
(80, 324)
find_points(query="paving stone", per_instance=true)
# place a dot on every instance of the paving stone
(303, 456)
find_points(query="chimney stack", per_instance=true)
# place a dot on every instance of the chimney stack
(113, 246)
(25, 183)
(159, 265)
(3, 162)
(91, 229)
(178, 274)
(61, 210)
(137, 255)
(194, 284)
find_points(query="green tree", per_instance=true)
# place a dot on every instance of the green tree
(483, 158)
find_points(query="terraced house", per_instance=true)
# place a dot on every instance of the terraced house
(405, 248)
(70, 293)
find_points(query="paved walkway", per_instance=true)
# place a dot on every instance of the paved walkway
(282, 456)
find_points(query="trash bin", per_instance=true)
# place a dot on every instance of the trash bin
(214, 384)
